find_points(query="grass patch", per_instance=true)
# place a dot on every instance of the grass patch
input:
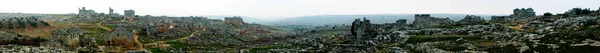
(451, 47)
(99, 30)
(505, 49)
(178, 44)
(267, 47)
(483, 43)
(418, 39)
(99, 41)
(156, 50)
(451, 26)
(145, 42)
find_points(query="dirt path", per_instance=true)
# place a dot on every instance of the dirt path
(183, 38)
(518, 27)
(137, 42)
(164, 41)
(103, 27)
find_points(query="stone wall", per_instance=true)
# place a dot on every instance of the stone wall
(401, 22)
(425, 21)
(501, 19)
(471, 20)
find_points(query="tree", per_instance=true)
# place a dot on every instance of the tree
(10, 24)
(1, 25)
(33, 24)
(547, 14)
(21, 24)
(45, 23)
(580, 11)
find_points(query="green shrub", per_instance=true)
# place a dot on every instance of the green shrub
(45, 23)
(21, 24)
(33, 24)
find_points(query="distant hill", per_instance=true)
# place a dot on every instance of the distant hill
(246, 19)
(347, 19)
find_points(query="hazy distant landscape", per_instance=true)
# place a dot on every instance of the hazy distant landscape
(347, 19)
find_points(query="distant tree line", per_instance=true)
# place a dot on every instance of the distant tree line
(579, 11)
(22, 22)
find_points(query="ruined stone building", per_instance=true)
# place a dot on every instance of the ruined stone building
(112, 14)
(426, 21)
(523, 12)
(110, 11)
(518, 14)
(120, 36)
(471, 20)
(401, 22)
(500, 18)
(86, 13)
(362, 30)
(235, 20)
(65, 38)
(129, 15)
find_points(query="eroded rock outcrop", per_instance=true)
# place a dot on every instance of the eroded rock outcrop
(575, 23)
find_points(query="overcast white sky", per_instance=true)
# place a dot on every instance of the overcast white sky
(270, 9)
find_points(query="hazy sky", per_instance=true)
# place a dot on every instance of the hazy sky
(270, 9)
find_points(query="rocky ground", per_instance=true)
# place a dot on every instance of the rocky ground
(541, 34)
(30, 49)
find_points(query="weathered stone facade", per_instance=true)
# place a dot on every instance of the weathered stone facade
(65, 38)
(129, 15)
(523, 12)
(471, 20)
(120, 36)
(425, 21)
(362, 30)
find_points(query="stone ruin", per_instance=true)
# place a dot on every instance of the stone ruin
(235, 20)
(501, 18)
(523, 12)
(111, 13)
(120, 36)
(471, 20)
(426, 21)
(129, 15)
(362, 30)
(65, 38)
(517, 14)
(401, 22)
(86, 13)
